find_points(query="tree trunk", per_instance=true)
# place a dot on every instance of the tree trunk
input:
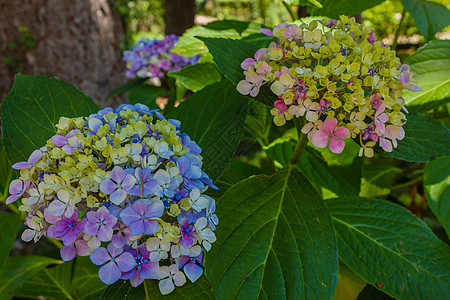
(179, 15)
(74, 40)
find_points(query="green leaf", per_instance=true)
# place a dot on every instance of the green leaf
(33, 107)
(228, 54)
(48, 283)
(5, 173)
(146, 94)
(260, 40)
(430, 17)
(149, 289)
(334, 8)
(214, 118)
(437, 188)
(126, 87)
(425, 139)
(313, 3)
(371, 293)
(85, 280)
(377, 179)
(432, 64)
(9, 225)
(21, 268)
(276, 241)
(387, 245)
(195, 77)
(188, 46)
(340, 179)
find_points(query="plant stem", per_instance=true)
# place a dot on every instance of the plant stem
(290, 11)
(302, 140)
(397, 32)
(58, 244)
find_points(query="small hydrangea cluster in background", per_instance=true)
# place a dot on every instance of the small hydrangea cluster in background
(125, 188)
(153, 58)
(342, 80)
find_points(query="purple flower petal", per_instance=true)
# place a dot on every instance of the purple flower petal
(118, 240)
(118, 196)
(68, 252)
(69, 238)
(128, 182)
(182, 261)
(150, 270)
(91, 228)
(183, 164)
(35, 157)
(126, 261)
(110, 221)
(151, 226)
(57, 208)
(137, 227)
(113, 250)
(93, 216)
(105, 233)
(16, 186)
(99, 256)
(109, 273)
(192, 271)
(140, 207)
(21, 165)
(12, 198)
(68, 149)
(129, 215)
(117, 174)
(136, 279)
(103, 213)
(156, 209)
(107, 186)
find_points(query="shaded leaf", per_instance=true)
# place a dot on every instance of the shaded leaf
(377, 179)
(195, 77)
(334, 8)
(126, 87)
(85, 280)
(214, 118)
(437, 188)
(387, 245)
(432, 64)
(371, 293)
(33, 107)
(425, 139)
(275, 241)
(146, 94)
(5, 174)
(9, 225)
(313, 3)
(430, 17)
(21, 268)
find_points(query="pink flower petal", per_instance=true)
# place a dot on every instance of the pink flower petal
(336, 145)
(244, 87)
(329, 124)
(342, 132)
(320, 139)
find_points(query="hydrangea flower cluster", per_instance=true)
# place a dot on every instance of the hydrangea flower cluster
(338, 77)
(153, 58)
(126, 188)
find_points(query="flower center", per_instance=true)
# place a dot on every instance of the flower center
(70, 225)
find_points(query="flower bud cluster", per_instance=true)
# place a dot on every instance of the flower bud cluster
(154, 59)
(338, 77)
(126, 188)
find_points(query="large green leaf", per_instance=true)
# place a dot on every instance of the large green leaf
(21, 268)
(188, 46)
(432, 64)
(437, 188)
(33, 107)
(5, 173)
(195, 77)
(342, 179)
(214, 118)
(85, 280)
(9, 225)
(388, 246)
(335, 8)
(228, 55)
(430, 17)
(49, 283)
(425, 139)
(276, 241)
(199, 290)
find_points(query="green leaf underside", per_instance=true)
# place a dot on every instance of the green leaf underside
(437, 188)
(195, 77)
(9, 225)
(275, 241)
(146, 94)
(432, 64)
(340, 179)
(430, 17)
(425, 139)
(149, 289)
(188, 45)
(228, 54)
(387, 245)
(33, 107)
(18, 269)
(214, 118)
(333, 9)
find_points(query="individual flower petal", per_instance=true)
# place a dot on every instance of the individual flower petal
(99, 256)
(109, 273)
